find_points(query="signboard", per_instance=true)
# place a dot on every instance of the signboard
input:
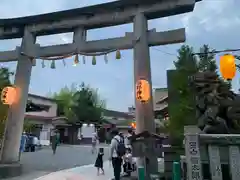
(192, 151)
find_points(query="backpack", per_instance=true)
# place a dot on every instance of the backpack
(121, 149)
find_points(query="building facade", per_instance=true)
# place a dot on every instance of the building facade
(160, 103)
(42, 121)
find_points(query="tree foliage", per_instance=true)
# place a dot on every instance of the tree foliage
(80, 104)
(28, 127)
(87, 106)
(187, 64)
(64, 100)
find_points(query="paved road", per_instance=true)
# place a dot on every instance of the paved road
(65, 158)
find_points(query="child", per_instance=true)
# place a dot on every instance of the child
(99, 161)
(128, 162)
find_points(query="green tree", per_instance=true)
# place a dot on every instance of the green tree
(187, 64)
(28, 127)
(5, 75)
(79, 104)
(87, 105)
(65, 100)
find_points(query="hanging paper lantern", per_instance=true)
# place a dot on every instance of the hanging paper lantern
(142, 90)
(43, 65)
(94, 62)
(118, 54)
(76, 60)
(227, 66)
(84, 59)
(33, 62)
(105, 58)
(53, 66)
(8, 95)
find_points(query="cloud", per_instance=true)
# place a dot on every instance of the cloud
(212, 15)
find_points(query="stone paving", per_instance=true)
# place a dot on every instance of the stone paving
(67, 157)
(70, 166)
(36, 164)
(81, 173)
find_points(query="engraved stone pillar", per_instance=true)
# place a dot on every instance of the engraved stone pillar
(14, 125)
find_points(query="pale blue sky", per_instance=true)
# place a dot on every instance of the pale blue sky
(213, 22)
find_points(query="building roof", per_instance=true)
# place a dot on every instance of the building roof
(41, 97)
(160, 98)
(117, 114)
(36, 117)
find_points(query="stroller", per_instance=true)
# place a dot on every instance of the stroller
(128, 165)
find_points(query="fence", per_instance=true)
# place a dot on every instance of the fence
(211, 156)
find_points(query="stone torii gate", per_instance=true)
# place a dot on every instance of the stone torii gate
(79, 21)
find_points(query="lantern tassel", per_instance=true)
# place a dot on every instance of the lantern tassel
(76, 60)
(84, 59)
(94, 60)
(53, 66)
(34, 62)
(118, 54)
(106, 58)
(43, 65)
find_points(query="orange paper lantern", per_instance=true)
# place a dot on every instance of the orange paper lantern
(8, 95)
(227, 66)
(142, 90)
(133, 124)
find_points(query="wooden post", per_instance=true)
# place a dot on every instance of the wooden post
(215, 164)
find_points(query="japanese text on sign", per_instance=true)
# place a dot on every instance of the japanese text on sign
(195, 162)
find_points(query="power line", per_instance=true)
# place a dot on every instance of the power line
(202, 53)
(164, 52)
(216, 52)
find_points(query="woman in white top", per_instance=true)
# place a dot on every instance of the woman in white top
(94, 143)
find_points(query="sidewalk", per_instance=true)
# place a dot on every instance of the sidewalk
(30, 176)
(87, 172)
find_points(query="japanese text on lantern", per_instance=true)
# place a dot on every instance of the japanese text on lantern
(142, 90)
(194, 159)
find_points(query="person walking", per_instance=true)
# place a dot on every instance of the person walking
(94, 142)
(127, 140)
(55, 141)
(22, 145)
(117, 151)
(35, 144)
(99, 161)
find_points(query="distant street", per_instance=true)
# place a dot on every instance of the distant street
(67, 156)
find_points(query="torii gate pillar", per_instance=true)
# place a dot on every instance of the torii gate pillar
(144, 112)
(15, 119)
